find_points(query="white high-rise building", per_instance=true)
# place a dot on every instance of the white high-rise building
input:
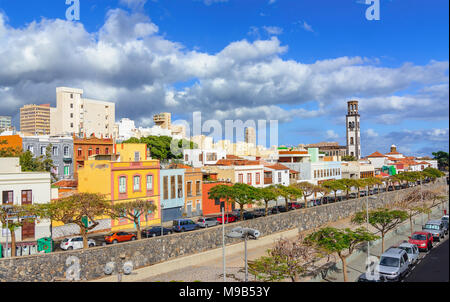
(353, 130)
(77, 115)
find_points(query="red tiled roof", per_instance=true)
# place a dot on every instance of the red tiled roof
(65, 183)
(376, 154)
(230, 156)
(293, 152)
(277, 167)
(293, 171)
(235, 162)
(392, 153)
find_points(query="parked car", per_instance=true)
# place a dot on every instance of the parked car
(205, 222)
(75, 243)
(228, 218)
(352, 195)
(183, 225)
(435, 227)
(412, 250)
(423, 240)
(445, 226)
(119, 237)
(259, 212)
(278, 209)
(155, 231)
(394, 264)
(445, 217)
(295, 205)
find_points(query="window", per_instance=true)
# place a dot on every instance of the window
(258, 178)
(186, 157)
(55, 151)
(71, 96)
(189, 188)
(315, 174)
(90, 152)
(66, 151)
(180, 186)
(71, 106)
(198, 187)
(8, 197)
(122, 184)
(27, 197)
(71, 125)
(80, 152)
(43, 150)
(172, 187)
(66, 170)
(200, 157)
(279, 177)
(137, 156)
(136, 183)
(351, 141)
(249, 178)
(240, 178)
(30, 148)
(106, 150)
(166, 187)
(149, 182)
(71, 115)
(97, 151)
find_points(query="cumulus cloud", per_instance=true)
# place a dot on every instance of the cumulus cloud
(331, 134)
(273, 30)
(129, 62)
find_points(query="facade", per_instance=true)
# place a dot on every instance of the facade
(276, 174)
(162, 120)
(250, 136)
(131, 152)
(378, 160)
(238, 171)
(61, 152)
(329, 148)
(76, 115)
(172, 193)
(5, 122)
(20, 188)
(123, 181)
(357, 170)
(201, 157)
(84, 147)
(211, 206)
(353, 130)
(35, 119)
(193, 179)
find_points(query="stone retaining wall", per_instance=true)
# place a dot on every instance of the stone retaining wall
(51, 267)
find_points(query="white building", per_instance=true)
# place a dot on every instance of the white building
(200, 157)
(19, 188)
(75, 115)
(276, 174)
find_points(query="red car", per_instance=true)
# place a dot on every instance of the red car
(295, 205)
(423, 240)
(119, 237)
(228, 218)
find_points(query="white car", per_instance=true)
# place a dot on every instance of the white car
(412, 250)
(75, 243)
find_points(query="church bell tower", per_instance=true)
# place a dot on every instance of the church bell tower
(353, 130)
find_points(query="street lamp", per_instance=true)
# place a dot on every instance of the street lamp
(240, 232)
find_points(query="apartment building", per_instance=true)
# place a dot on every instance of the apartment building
(35, 119)
(5, 122)
(83, 147)
(20, 188)
(61, 152)
(77, 115)
(201, 157)
(172, 192)
(276, 174)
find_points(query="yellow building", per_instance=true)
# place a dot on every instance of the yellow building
(132, 152)
(124, 181)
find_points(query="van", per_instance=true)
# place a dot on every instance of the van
(182, 225)
(394, 264)
(435, 227)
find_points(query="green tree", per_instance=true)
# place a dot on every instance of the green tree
(442, 158)
(308, 189)
(331, 240)
(348, 184)
(333, 185)
(222, 192)
(289, 193)
(382, 219)
(267, 194)
(243, 194)
(433, 173)
(348, 158)
(413, 204)
(76, 208)
(289, 259)
(133, 211)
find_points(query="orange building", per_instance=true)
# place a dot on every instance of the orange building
(211, 206)
(85, 147)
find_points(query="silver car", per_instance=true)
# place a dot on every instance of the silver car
(435, 227)
(206, 222)
(412, 250)
(394, 264)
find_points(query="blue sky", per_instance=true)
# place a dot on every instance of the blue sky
(296, 61)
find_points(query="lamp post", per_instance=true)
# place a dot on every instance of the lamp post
(240, 232)
(223, 245)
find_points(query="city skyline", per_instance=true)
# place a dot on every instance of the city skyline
(281, 60)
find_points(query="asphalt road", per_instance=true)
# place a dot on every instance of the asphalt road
(434, 267)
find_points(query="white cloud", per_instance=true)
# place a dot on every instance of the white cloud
(330, 134)
(273, 30)
(133, 4)
(307, 27)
